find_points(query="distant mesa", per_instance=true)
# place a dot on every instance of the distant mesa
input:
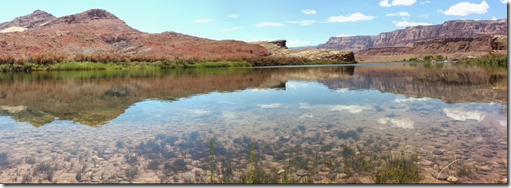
(410, 35)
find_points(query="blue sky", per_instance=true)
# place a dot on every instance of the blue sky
(301, 22)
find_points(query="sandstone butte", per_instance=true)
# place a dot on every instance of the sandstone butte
(278, 48)
(97, 31)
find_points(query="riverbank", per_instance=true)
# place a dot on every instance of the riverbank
(111, 62)
(70, 66)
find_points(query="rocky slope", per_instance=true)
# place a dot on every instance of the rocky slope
(100, 32)
(407, 37)
(279, 49)
(22, 23)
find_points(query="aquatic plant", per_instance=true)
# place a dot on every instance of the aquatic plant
(211, 159)
(47, 169)
(464, 170)
(251, 170)
(27, 178)
(131, 173)
(398, 169)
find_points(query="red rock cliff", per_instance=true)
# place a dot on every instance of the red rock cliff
(406, 37)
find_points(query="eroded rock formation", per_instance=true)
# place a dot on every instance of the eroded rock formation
(278, 48)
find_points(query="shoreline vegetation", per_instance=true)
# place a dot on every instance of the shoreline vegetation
(485, 61)
(53, 62)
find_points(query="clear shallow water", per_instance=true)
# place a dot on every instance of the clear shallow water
(101, 126)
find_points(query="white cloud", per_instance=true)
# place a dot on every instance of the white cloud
(423, 16)
(231, 29)
(399, 14)
(355, 109)
(307, 11)
(342, 90)
(274, 105)
(264, 24)
(505, 1)
(425, 2)
(404, 123)
(260, 40)
(303, 22)
(296, 85)
(408, 24)
(464, 115)
(200, 112)
(260, 90)
(466, 8)
(411, 99)
(306, 116)
(494, 18)
(385, 3)
(297, 42)
(204, 20)
(350, 18)
(233, 15)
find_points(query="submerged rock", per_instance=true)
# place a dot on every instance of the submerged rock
(439, 177)
(301, 173)
(353, 180)
(437, 152)
(452, 179)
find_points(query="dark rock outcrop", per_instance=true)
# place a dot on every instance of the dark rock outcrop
(407, 37)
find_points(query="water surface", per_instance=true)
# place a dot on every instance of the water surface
(98, 127)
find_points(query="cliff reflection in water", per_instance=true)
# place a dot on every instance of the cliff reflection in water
(95, 98)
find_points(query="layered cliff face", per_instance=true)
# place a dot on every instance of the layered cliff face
(354, 43)
(22, 23)
(407, 37)
(279, 49)
(485, 44)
